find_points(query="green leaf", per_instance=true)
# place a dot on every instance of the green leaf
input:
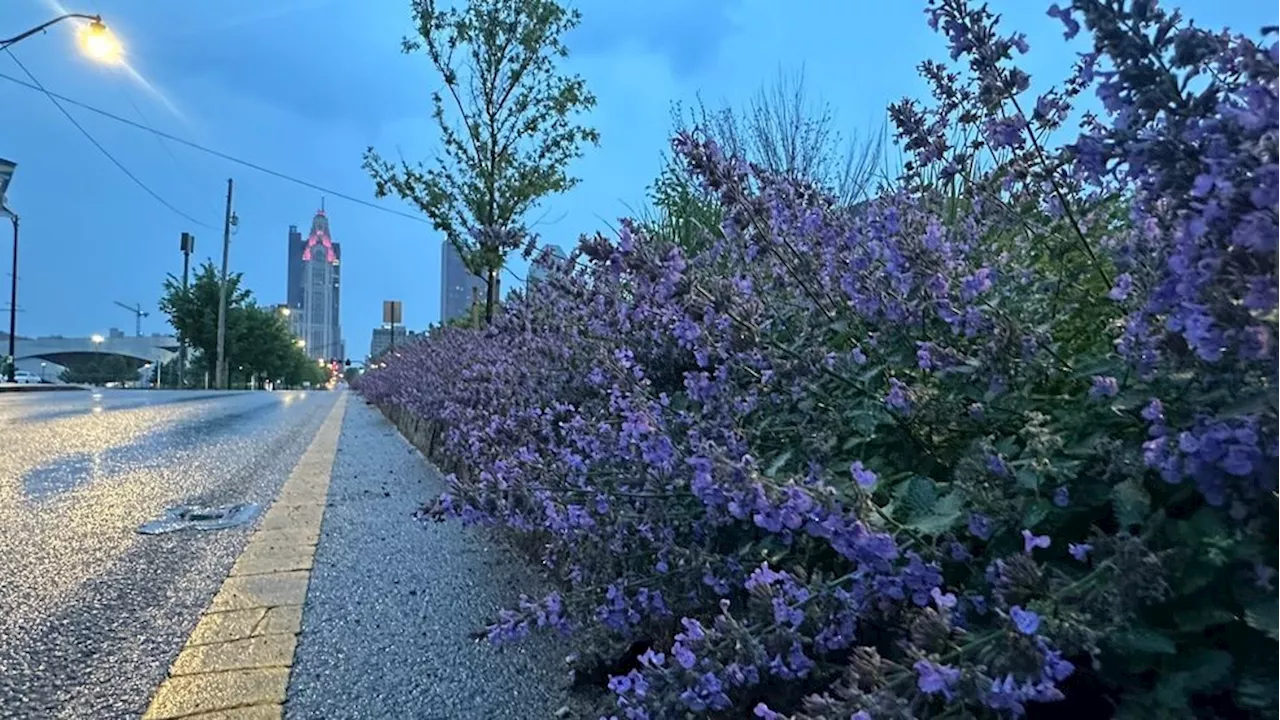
(1132, 503)
(1248, 404)
(917, 496)
(1256, 691)
(1142, 640)
(1262, 614)
(1202, 617)
(945, 514)
(1036, 512)
(777, 464)
(1028, 479)
(1202, 671)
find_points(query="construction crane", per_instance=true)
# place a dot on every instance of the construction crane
(138, 314)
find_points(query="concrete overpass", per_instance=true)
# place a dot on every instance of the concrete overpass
(58, 351)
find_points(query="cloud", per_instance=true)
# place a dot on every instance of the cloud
(687, 34)
(326, 61)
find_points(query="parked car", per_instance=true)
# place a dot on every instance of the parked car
(26, 377)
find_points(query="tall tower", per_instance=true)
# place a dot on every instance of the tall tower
(456, 283)
(319, 325)
(293, 290)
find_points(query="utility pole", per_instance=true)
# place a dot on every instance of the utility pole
(220, 367)
(188, 246)
(13, 300)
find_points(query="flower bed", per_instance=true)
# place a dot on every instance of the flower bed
(1000, 442)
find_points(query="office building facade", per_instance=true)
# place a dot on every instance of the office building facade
(538, 272)
(456, 283)
(316, 307)
(383, 336)
(293, 292)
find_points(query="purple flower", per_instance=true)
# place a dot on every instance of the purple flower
(865, 478)
(683, 655)
(944, 601)
(897, 399)
(1026, 621)
(1070, 25)
(933, 679)
(763, 712)
(1079, 551)
(980, 526)
(1031, 542)
(1122, 287)
(998, 466)
(1061, 497)
(1104, 386)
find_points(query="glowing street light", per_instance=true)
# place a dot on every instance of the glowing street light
(300, 343)
(96, 339)
(99, 44)
(285, 311)
(96, 41)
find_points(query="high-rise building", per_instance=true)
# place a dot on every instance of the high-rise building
(537, 272)
(382, 338)
(456, 283)
(316, 317)
(293, 291)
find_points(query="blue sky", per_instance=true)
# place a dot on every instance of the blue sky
(304, 87)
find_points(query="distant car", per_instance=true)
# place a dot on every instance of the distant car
(26, 377)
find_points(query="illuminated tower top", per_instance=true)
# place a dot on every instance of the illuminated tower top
(319, 237)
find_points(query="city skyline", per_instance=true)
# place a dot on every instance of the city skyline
(213, 76)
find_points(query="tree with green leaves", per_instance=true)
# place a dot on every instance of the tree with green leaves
(264, 343)
(100, 369)
(508, 125)
(193, 313)
(259, 343)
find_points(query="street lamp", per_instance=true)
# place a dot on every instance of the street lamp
(98, 43)
(300, 343)
(96, 339)
(6, 175)
(96, 40)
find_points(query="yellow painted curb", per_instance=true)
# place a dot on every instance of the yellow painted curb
(235, 665)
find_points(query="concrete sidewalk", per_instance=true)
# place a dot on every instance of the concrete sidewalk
(343, 605)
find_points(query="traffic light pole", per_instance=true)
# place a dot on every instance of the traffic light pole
(188, 247)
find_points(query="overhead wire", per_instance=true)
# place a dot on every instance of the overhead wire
(162, 135)
(216, 153)
(37, 85)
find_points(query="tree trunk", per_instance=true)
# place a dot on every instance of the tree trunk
(491, 295)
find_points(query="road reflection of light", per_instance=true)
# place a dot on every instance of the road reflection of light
(96, 396)
(288, 399)
(97, 408)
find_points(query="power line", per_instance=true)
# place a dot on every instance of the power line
(38, 86)
(210, 151)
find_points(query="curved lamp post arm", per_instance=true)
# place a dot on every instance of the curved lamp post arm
(23, 36)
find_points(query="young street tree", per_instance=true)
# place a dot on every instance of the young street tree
(507, 119)
(194, 313)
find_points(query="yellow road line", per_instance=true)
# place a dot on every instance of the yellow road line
(235, 665)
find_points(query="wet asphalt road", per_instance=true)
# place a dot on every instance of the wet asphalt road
(92, 613)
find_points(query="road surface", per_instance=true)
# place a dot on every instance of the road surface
(93, 614)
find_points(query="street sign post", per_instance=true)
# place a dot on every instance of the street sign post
(392, 314)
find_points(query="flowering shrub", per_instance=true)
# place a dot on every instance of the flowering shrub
(1001, 442)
